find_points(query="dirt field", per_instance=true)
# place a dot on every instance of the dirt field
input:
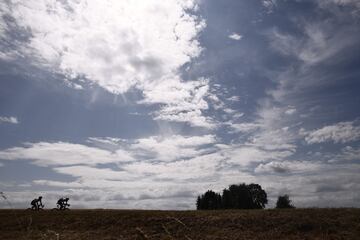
(234, 224)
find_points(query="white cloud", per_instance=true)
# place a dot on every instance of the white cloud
(111, 150)
(317, 44)
(246, 154)
(288, 167)
(351, 153)
(272, 167)
(174, 147)
(59, 184)
(341, 132)
(273, 133)
(193, 169)
(269, 5)
(184, 101)
(290, 111)
(234, 98)
(244, 127)
(119, 45)
(12, 120)
(355, 4)
(62, 153)
(235, 36)
(348, 153)
(267, 138)
(92, 173)
(116, 44)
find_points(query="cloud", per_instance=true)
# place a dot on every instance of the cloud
(348, 153)
(171, 158)
(51, 183)
(272, 167)
(354, 4)
(317, 44)
(341, 132)
(120, 46)
(234, 98)
(92, 173)
(351, 153)
(245, 155)
(12, 120)
(134, 42)
(62, 153)
(288, 167)
(235, 36)
(160, 148)
(111, 150)
(269, 5)
(290, 111)
(184, 101)
(244, 127)
(265, 139)
(194, 169)
(174, 147)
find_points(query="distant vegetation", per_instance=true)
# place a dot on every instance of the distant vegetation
(242, 196)
(284, 202)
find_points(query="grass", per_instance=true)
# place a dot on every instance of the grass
(137, 224)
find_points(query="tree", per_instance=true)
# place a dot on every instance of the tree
(284, 202)
(258, 196)
(209, 200)
(245, 196)
(226, 199)
(241, 196)
(198, 203)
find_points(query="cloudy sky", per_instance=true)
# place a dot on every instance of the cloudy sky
(145, 104)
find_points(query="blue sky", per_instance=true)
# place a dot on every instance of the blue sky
(146, 104)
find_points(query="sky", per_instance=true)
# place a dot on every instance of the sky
(146, 104)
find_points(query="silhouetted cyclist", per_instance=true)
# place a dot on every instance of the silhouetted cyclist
(62, 203)
(36, 204)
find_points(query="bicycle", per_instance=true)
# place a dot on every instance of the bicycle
(61, 208)
(37, 208)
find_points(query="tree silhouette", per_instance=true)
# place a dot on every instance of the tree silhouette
(258, 196)
(209, 200)
(227, 199)
(284, 202)
(241, 196)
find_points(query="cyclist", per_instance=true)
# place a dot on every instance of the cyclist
(62, 203)
(37, 203)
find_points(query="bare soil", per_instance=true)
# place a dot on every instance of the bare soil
(138, 224)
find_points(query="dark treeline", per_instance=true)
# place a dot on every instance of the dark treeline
(242, 196)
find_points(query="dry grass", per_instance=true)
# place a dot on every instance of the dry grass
(232, 224)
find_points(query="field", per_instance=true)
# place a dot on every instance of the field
(138, 224)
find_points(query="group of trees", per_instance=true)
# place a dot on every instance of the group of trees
(241, 196)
